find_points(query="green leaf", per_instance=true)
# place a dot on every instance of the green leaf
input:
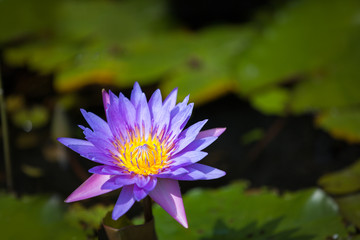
(336, 85)
(36, 217)
(350, 208)
(233, 213)
(271, 101)
(19, 18)
(111, 20)
(44, 57)
(343, 123)
(342, 182)
(303, 36)
(207, 71)
(92, 217)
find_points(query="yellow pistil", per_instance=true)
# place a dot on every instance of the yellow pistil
(140, 155)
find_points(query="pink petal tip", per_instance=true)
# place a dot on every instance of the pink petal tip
(167, 194)
(90, 188)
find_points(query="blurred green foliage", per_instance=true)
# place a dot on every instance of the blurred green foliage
(301, 58)
(43, 217)
(344, 185)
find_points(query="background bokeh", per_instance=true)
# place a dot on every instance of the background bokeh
(282, 76)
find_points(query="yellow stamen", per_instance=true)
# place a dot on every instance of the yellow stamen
(142, 156)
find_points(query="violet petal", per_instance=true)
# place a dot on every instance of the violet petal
(167, 194)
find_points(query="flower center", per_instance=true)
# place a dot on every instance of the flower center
(140, 155)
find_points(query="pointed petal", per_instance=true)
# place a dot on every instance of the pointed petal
(127, 110)
(155, 103)
(90, 188)
(115, 119)
(97, 124)
(178, 122)
(74, 141)
(170, 100)
(200, 172)
(136, 94)
(189, 135)
(167, 194)
(143, 118)
(187, 158)
(179, 107)
(199, 144)
(215, 132)
(106, 99)
(124, 203)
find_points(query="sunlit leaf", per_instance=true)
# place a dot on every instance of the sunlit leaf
(271, 101)
(44, 57)
(207, 72)
(343, 123)
(232, 213)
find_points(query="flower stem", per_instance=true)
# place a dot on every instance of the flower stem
(5, 134)
(147, 209)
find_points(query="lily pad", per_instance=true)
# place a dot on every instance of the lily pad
(207, 72)
(350, 208)
(345, 181)
(342, 123)
(233, 213)
(36, 217)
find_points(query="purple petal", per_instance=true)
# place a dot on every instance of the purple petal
(100, 141)
(118, 181)
(136, 94)
(127, 111)
(115, 119)
(167, 194)
(151, 184)
(139, 193)
(215, 132)
(171, 173)
(106, 99)
(87, 150)
(90, 188)
(189, 135)
(179, 107)
(170, 100)
(142, 191)
(141, 181)
(143, 118)
(187, 158)
(178, 122)
(97, 124)
(200, 172)
(107, 170)
(74, 141)
(124, 202)
(155, 103)
(199, 144)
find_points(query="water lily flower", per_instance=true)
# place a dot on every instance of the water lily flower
(143, 149)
